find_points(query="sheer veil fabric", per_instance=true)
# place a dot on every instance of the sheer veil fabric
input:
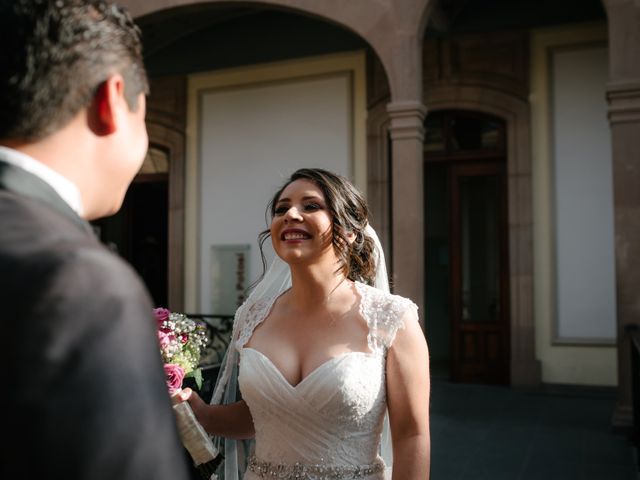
(276, 280)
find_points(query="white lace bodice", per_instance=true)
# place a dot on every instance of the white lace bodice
(335, 414)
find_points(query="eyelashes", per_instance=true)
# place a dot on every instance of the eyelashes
(312, 207)
(308, 207)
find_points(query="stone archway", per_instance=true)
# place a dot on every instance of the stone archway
(165, 126)
(393, 29)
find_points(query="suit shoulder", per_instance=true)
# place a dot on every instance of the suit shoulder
(75, 279)
(32, 222)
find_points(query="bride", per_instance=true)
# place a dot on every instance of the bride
(322, 358)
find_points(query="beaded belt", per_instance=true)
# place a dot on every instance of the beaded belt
(301, 471)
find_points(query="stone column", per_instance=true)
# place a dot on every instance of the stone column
(623, 95)
(407, 212)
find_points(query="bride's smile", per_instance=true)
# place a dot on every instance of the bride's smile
(294, 234)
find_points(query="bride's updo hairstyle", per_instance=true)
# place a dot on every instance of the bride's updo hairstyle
(349, 214)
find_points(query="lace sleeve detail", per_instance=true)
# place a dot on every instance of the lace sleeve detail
(255, 314)
(384, 314)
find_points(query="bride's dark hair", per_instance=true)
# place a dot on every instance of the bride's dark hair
(349, 213)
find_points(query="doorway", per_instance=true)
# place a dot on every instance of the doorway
(139, 231)
(466, 251)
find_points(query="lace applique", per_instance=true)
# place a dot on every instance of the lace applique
(256, 314)
(383, 313)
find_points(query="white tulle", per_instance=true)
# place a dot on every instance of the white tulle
(336, 415)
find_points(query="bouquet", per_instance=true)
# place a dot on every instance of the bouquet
(181, 340)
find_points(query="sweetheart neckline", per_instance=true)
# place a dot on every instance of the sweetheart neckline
(312, 372)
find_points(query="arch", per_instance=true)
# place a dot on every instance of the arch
(524, 368)
(392, 29)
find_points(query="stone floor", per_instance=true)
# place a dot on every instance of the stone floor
(486, 432)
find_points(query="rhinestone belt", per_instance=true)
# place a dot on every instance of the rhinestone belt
(301, 471)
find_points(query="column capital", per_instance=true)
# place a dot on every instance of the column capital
(624, 102)
(407, 120)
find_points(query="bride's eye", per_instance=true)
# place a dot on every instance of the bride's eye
(312, 207)
(281, 210)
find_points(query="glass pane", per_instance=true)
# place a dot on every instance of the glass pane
(434, 140)
(470, 133)
(480, 245)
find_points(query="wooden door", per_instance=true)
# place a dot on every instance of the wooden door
(479, 273)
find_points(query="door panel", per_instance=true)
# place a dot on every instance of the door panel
(478, 288)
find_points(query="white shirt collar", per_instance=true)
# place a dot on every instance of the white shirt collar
(64, 187)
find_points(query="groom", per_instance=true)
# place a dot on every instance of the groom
(84, 396)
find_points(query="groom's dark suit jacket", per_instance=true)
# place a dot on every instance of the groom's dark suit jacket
(83, 392)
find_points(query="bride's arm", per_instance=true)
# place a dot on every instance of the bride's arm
(408, 388)
(232, 421)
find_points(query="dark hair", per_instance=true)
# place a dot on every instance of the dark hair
(349, 214)
(55, 54)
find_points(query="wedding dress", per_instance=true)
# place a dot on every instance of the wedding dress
(330, 424)
(333, 424)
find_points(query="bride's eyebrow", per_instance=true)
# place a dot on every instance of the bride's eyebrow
(304, 199)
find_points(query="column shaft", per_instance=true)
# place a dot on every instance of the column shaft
(407, 137)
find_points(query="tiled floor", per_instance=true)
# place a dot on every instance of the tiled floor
(485, 432)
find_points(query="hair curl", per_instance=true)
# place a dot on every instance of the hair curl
(349, 215)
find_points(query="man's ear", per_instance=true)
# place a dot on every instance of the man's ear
(103, 112)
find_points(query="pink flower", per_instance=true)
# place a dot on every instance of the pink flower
(164, 339)
(175, 375)
(162, 314)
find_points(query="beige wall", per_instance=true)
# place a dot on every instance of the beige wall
(569, 364)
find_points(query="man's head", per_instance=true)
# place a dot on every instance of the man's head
(56, 54)
(68, 62)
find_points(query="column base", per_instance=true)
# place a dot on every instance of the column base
(526, 373)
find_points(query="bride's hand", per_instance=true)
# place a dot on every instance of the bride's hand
(233, 420)
(188, 395)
